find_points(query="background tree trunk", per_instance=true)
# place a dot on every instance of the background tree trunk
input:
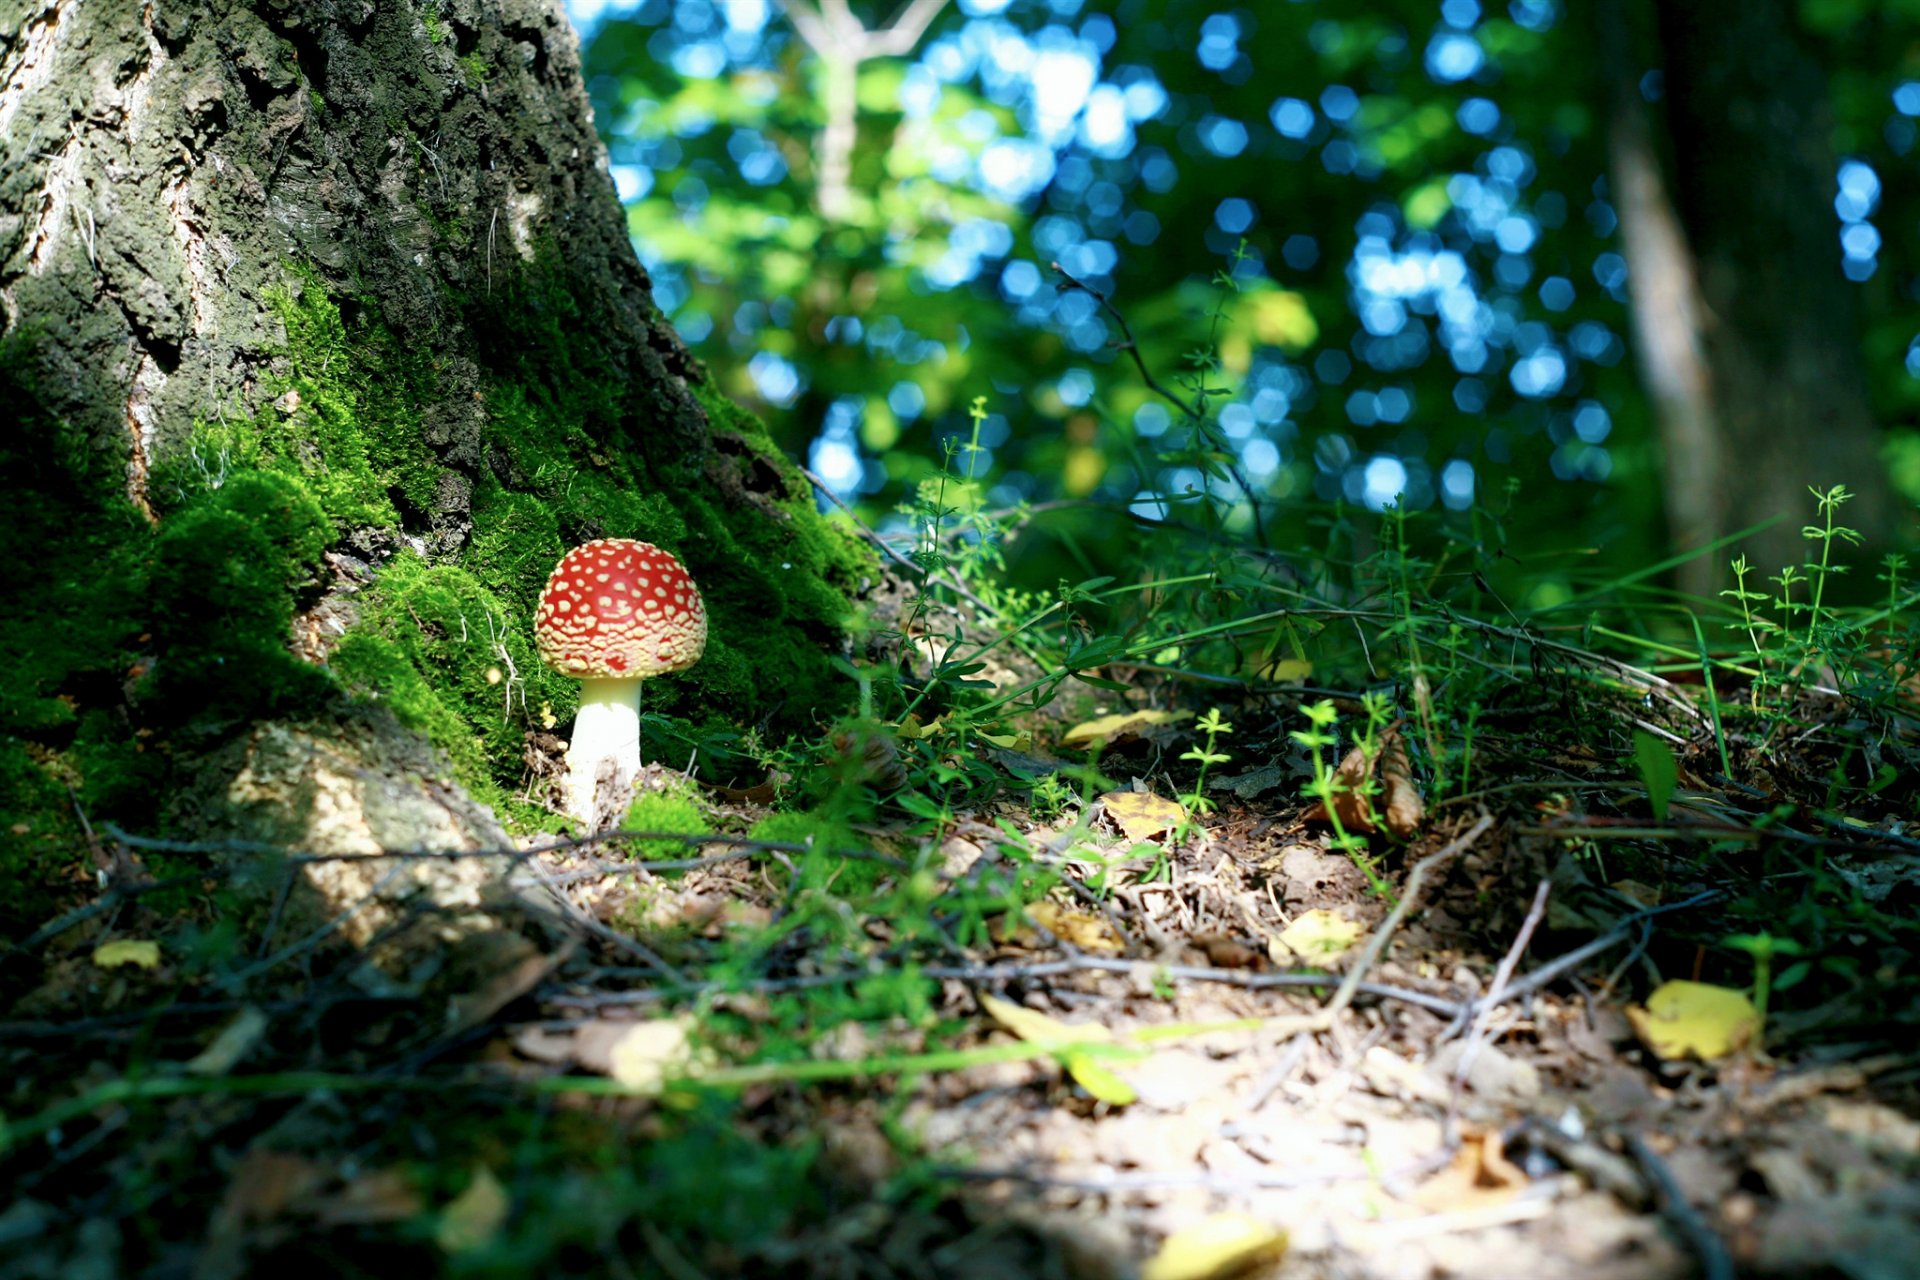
(323, 339)
(1748, 331)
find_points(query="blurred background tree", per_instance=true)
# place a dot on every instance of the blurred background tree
(1625, 261)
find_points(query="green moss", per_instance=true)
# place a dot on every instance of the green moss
(453, 660)
(821, 868)
(220, 603)
(348, 410)
(41, 845)
(668, 812)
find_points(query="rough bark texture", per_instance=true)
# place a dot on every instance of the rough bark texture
(1752, 174)
(323, 339)
(172, 158)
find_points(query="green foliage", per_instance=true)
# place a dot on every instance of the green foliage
(221, 592)
(454, 660)
(1658, 769)
(671, 812)
(349, 413)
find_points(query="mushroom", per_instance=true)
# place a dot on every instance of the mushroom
(615, 612)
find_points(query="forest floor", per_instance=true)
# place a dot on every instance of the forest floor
(1107, 1043)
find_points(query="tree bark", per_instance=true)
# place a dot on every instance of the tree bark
(335, 296)
(1748, 332)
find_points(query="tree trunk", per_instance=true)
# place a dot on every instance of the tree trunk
(1747, 329)
(323, 339)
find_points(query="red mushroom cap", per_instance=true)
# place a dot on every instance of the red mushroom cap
(619, 608)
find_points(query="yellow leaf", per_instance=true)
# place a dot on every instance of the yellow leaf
(1277, 318)
(1141, 814)
(1693, 1019)
(1289, 671)
(1098, 1081)
(1083, 469)
(1038, 1028)
(1083, 929)
(652, 1053)
(1317, 937)
(1227, 1244)
(1119, 725)
(912, 728)
(1006, 741)
(473, 1218)
(235, 1041)
(125, 951)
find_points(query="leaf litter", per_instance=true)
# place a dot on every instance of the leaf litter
(1125, 1076)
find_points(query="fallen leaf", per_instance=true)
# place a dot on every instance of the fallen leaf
(1315, 937)
(235, 1041)
(473, 1218)
(1121, 724)
(1142, 815)
(127, 951)
(1037, 1028)
(1695, 1019)
(1350, 804)
(1253, 783)
(1406, 808)
(375, 1197)
(1224, 952)
(652, 1052)
(1289, 671)
(1082, 929)
(912, 728)
(1479, 1176)
(1226, 1244)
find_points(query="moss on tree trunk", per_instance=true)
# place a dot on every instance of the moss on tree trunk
(323, 339)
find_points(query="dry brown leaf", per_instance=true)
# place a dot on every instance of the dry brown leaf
(1224, 952)
(1406, 808)
(1352, 808)
(1403, 808)
(376, 1196)
(1479, 1177)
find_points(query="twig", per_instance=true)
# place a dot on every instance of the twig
(1356, 973)
(234, 981)
(888, 549)
(1553, 969)
(1715, 1263)
(997, 975)
(1196, 411)
(1501, 977)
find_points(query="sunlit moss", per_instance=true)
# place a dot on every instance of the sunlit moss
(670, 812)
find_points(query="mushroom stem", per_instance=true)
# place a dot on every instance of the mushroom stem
(608, 726)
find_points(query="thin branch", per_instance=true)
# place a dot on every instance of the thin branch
(898, 37)
(1196, 411)
(1715, 1262)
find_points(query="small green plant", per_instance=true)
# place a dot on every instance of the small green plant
(1763, 947)
(1195, 802)
(1328, 787)
(1826, 533)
